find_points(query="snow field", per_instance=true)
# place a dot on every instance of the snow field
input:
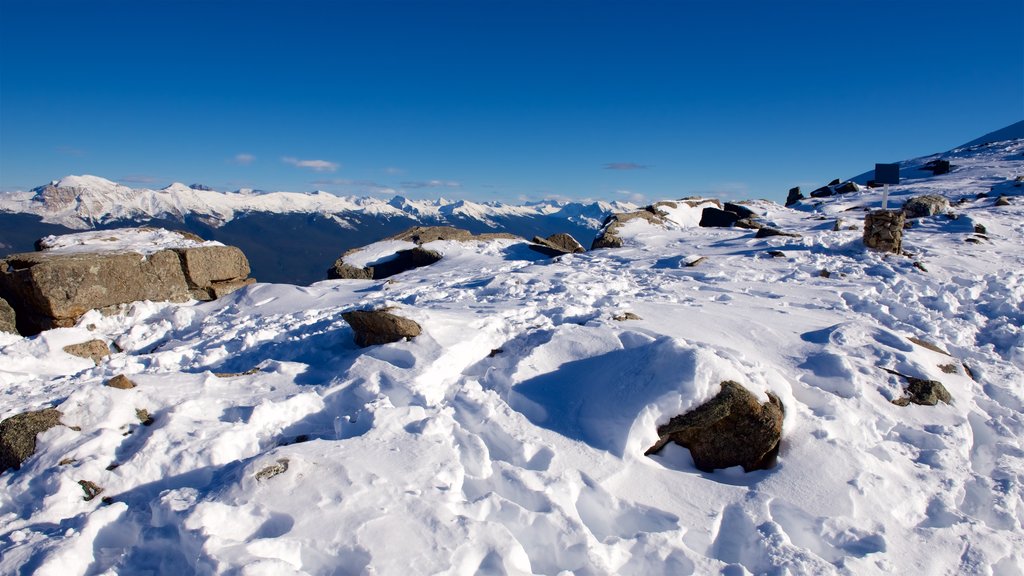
(509, 437)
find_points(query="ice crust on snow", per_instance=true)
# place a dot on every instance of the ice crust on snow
(509, 436)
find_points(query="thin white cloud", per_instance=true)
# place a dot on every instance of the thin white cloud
(244, 159)
(432, 184)
(392, 170)
(314, 165)
(634, 197)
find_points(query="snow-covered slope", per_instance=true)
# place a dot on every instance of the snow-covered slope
(82, 202)
(509, 436)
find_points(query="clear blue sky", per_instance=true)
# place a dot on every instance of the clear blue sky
(498, 99)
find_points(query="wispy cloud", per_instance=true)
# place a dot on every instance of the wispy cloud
(348, 182)
(431, 184)
(625, 166)
(393, 171)
(244, 159)
(314, 165)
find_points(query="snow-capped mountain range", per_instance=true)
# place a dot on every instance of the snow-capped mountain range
(289, 236)
(84, 202)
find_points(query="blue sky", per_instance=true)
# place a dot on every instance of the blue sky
(498, 100)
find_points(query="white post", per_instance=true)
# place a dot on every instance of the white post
(885, 197)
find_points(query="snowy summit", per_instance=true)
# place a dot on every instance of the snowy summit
(509, 436)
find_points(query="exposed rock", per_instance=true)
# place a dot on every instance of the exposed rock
(214, 271)
(715, 218)
(794, 196)
(847, 187)
(834, 182)
(273, 470)
(656, 207)
(823, 192)
(1002, 201)
(927, 205)
(924, 393)
(91, 489)
(749, 224)
(7, 318)
(54, 290)
(144, 417)
(883, 230)
(626, 316)
(928, 345)
(95, 350)
(937, 167)
(556, 245)
(696, 261)
(18, 435)
(765, 232)
(776, 253)
(609, 237)
(424, 234)
(731, 429)
(739, 210)
(50, 289)
(121, 382)
(403, 261)
(374, 327)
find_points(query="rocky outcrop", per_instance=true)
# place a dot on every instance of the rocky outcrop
(7, 318)
(95, 350)
(794, 196)
(121, 382)
(609, 235)
(556, 245)
(374, 327)
(718, 218)
(424, 234)
(924, 393)
(54, 288)
(731, 429)
(765, 232)
(924, 206)
(403, 260)
(18, 435)
(883, 230)
(214, 271)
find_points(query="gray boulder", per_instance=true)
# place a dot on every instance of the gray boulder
(55, 290)
(424, 234)
(95, 350)
(50, 289)
(374, 327)
(766, 231)
(556, 245)
(731, 429)
(7, 319)
(717, 218)
(18, 435)
(794, 196)
(924, 206)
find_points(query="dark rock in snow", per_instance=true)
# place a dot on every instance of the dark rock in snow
(823, 192)
(739, 210)
(715, 218)
(95, 350)
(731, 429)
(403, 261)
(765, 232)
(794, 196)
(924, 392)
(1002, 201)
(121, 382)
(18, 435)
(626, 316)
(374, 327)
(938, 167)
(847, 187)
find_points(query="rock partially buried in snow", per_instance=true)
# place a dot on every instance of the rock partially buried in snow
(609, 237)
(556, 245)
(424, 234)
(402, 261)
(75, 273)
(374, 327)
(95, 350)
(121, 382)
(7, 318)
(731, 429)
(18, 435)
